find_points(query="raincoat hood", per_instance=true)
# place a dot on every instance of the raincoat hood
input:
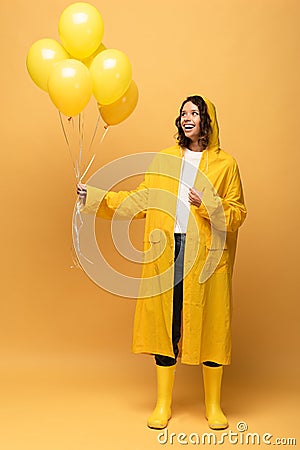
(214, 142)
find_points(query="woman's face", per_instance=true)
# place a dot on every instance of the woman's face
(190, 121)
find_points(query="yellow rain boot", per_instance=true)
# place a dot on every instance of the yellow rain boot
(212, 379)
(162, 412)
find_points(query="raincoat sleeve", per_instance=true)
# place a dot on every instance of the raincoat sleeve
(225, 213)
(126, 204)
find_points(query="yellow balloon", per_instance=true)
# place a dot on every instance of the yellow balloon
(81, 29)
(111, 75)
(117, 112)
(41, 57)
(70, 86)
(88, 61)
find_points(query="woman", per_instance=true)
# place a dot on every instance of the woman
(193, 203)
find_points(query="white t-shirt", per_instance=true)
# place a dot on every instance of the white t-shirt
(189, 166)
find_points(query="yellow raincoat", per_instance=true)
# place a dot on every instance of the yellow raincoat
(211, 236)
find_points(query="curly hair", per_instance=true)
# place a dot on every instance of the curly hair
(205, 127)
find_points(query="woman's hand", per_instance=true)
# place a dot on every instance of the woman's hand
(195, 197)
(82, 191)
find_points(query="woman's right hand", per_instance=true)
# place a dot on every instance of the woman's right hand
(82, 191)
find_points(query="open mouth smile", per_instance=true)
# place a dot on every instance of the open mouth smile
(188, 126)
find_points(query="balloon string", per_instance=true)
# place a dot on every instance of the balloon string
(78, 222)
(95, 132)
(76, 162)
(93, 157)
(68, 144)
(88, 166)
(93, 137)
(76, 154)
(77, 225)
(104, 134)
(77, 174)
(76, 262)
(80, 132)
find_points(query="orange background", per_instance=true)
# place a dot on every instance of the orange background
(69, 380)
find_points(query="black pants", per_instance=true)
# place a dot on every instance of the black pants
(162, 360)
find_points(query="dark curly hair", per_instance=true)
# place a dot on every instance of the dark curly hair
(205, 127)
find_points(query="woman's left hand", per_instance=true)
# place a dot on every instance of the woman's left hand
(195, 197)
(82, 192)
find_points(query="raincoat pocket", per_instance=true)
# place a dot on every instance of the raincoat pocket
(154, 246)
(218, 258)
(159, 250)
